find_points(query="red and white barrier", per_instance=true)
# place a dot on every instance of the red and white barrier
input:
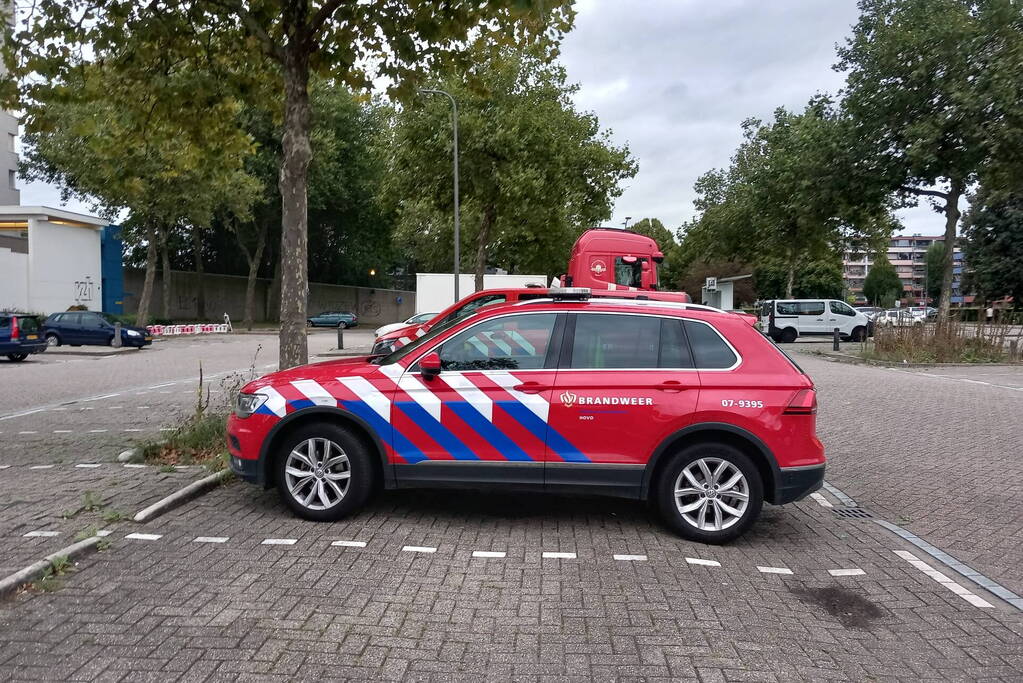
(175, 330)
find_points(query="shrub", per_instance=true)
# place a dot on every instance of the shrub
(952, 342)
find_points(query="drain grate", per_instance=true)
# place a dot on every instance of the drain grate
(852, 513)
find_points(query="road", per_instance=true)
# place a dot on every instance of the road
(427, 585)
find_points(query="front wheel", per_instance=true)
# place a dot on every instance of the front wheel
(859, 334)
(52, 339)
(342, 325)
(324, 472)
(17, 357)
(711, 493)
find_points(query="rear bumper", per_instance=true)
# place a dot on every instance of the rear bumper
(796, 483)
(22, 347)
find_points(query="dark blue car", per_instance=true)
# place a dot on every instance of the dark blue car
(89, 328)
(19, 336)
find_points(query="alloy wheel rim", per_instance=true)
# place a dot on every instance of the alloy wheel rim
(711, 494)
(317, 474)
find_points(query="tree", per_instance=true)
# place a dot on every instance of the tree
(286, 42)
(794, 193)
(696, 275)
(820, 278)
(135, 158)
(935, 95)
(669, 272)
(882, 285)
(993, 233)
(534, 171)
(934, 267)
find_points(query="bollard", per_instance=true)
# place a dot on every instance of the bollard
(340, 336)
(1013, 349)
(834, 340)
(116, 341)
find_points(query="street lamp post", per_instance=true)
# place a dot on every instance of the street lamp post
(458, 226)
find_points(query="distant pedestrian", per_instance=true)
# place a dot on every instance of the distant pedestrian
(990, 314)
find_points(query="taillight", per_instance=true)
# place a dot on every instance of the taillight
(803, 403)
(14, 328)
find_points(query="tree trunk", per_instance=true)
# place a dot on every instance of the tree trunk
(200, 289)
(166, 271)
(250, 284)
(951, 222)
(790, 278)
(482, 241)
(294, 349)
(142, 315)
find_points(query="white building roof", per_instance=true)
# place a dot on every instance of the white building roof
(47, 213)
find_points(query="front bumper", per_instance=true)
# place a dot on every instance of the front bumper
(249, 470)
(796, 483)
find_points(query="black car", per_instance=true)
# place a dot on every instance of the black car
(19, 336)
(89, 328)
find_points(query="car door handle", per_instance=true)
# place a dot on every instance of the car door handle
(672, 386)
(530, 387)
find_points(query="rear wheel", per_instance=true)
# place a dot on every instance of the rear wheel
(788, 335)
(17, 357)
(859, 334)
(324, 472)
(710, 492)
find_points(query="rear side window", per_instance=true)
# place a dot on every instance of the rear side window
(811, 307)
(788, 308)
(710, 352)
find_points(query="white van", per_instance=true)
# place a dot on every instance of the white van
(785, 320)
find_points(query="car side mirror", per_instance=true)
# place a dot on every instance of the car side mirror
(429, 365)
(646, 276)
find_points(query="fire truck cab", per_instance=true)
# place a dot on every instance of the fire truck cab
(613, 259)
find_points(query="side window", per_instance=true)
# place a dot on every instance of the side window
(472, 307)
(788, 308)
(518, 342)
(839, 308)
(811, 308)
(71, 319)
(616, 341)
(710, 352)
(5, 322)
(674, 349)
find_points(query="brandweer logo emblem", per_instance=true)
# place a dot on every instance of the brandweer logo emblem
(598, 267)
(568, 399)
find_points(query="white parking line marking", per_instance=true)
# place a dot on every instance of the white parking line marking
(104, 532)
(4, 467)
(279, 541)
(846, 572)
(821, 500)
(418, 549)
(210, 539)
(61, 431)
(559, 556)
(631, 558)
(133, 430)
(167, 429)
(28, 432)
(774, 570)
(41, 467)
(948, 583)
(145, 537)
(43, 534)
(134, 465)
(97, 431)
(487, 553)
(88, 465)
(350, 544)
(703, 563)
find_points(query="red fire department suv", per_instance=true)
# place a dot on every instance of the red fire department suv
(691, 408)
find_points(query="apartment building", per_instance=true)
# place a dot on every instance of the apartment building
(907, 253)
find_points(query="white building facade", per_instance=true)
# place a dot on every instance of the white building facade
(49, 259)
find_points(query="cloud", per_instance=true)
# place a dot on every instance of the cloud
(675, 78)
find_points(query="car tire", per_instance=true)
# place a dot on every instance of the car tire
(53, 339)
(859, 334)
(342, 325)
(324, 449)
(788, 335)
(17, 357)
(726, 515)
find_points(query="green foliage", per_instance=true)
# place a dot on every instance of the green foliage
(934, 262)
(697, 272)
(993, 234)
(794, 193)
(820, 278)
(534, 171)
(952, 342)
(669, 273)
(882, 285)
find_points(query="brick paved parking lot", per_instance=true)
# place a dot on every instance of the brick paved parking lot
(430, 585)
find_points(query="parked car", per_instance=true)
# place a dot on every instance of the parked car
(19, 336)
(91, 328)
(340, 319)
(869, 311)
(417, 319)
(785, 320)
(898, 317)
(689, 408)
(925, 312)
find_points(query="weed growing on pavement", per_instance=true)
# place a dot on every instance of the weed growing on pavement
(91, 502)
(87, 532)
(113, 516)
(167, 469)
(51, 579)
(949, 342)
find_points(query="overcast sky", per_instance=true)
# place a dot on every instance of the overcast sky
(673, 79)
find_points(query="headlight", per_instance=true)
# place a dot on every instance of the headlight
(133, 333)
(248, 404)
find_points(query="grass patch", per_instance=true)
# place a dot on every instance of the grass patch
(52, 579)
(951, 342)
(91, 502)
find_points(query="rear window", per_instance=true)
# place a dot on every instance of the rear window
(710, 352)
(29, 324)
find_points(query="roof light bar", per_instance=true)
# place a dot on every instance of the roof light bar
(569, 293)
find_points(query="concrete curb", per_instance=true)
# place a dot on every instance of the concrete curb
(10, 584)
(175, 499)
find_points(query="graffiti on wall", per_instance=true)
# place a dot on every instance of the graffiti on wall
(84, 290)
